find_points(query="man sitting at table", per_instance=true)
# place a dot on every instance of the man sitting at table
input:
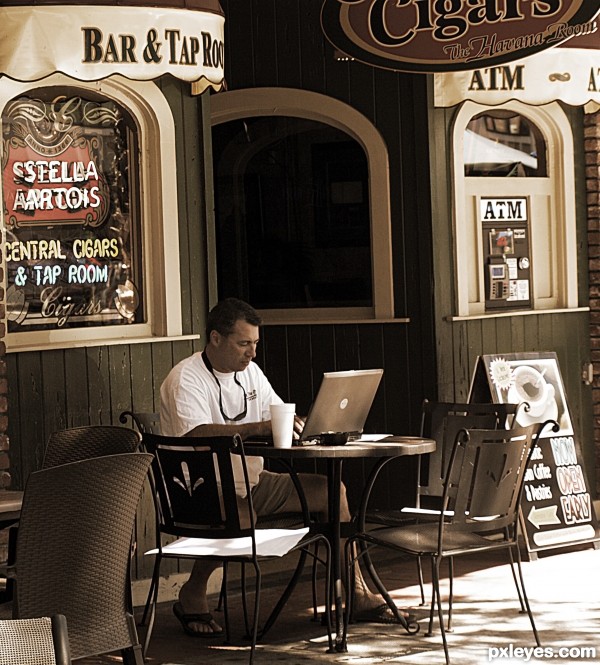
(219, 392)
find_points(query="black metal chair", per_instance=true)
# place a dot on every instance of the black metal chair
(73, 551)
(479, 512)
(198, 503)
(144, 421)
(439, 421)
(149, 422)
(43, 641)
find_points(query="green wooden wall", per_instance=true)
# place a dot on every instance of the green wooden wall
(459, 343)
(280, 43)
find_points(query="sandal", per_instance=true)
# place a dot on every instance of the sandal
(382, 614)
(205, 618)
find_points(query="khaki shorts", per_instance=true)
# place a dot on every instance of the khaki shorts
(271, 492)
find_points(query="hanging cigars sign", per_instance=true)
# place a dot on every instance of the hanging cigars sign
(442, 35)
(92, 42)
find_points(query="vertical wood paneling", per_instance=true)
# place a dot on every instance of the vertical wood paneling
(78, 403)
(119, 372)
(142, 384)
(180, 350)
(504, 341)
(347, 353)
(99, 386)
(462, 371)
(371, 349)
(239, 63)
(55, 392)
(400, 402)
(517, 324)
(162, 362)
(275, 363)
(323, 352)
(300, 381)
(28, 383)
(336, 74)
(264, 31)
(314, 49)
(287, 37)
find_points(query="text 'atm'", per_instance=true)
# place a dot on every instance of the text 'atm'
(507, 262)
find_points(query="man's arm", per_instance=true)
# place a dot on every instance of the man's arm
(243, 429)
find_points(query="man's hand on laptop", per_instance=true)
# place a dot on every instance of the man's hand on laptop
(298, 427)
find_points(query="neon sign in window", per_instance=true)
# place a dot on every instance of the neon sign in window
(70, 213)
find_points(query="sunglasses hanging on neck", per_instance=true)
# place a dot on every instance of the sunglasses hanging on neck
(239, 416)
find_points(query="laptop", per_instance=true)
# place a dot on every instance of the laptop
(342, 404)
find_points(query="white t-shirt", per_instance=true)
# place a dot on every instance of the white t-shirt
(189, 397)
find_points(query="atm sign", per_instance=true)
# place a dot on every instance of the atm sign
(503, 210)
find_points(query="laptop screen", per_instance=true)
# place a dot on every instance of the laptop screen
(342, 403)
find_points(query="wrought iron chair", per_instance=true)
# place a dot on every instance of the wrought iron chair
(479, 512)
(149, 422)
(144, 421)
(73, 551)
(39, 641)
(198, 503)
(439, 421)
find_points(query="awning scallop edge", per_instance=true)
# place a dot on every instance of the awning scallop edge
(95, 41)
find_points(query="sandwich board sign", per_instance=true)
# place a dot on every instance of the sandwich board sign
(556, 505)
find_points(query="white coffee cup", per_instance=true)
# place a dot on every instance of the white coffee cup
(531, 387)
(282, 424)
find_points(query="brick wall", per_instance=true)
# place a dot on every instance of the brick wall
(592, 157)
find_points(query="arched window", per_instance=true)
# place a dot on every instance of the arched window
(78, 214)
(505, 144)
(298, 217)
(514, 206)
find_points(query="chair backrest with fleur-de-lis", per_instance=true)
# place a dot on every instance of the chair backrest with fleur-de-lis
(194, 484)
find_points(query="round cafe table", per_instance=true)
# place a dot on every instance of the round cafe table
(384, 449)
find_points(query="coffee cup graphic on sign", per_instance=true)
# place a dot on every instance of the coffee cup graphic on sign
(530, 386)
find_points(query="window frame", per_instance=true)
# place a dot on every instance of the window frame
(237, 104)
(561, 266)
(158, 212)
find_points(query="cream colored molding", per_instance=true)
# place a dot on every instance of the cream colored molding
(236, 104)
(158, 191)
(553, 243)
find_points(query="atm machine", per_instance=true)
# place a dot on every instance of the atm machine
(507, 257)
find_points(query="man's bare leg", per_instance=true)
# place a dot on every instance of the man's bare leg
(315, 490)
(193, 594)
(193, 598)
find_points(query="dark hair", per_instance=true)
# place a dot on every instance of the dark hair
(223, 316)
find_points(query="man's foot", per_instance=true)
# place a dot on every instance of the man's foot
(196, 624)
(381, 614)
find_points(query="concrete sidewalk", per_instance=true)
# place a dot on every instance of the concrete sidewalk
(564, 590)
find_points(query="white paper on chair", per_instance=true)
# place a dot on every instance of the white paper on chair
(269, 542)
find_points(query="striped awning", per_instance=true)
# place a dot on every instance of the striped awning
(99, 38)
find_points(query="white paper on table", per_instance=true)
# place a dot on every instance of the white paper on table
(371, 437)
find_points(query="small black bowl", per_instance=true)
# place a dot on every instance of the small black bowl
(333, 438)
